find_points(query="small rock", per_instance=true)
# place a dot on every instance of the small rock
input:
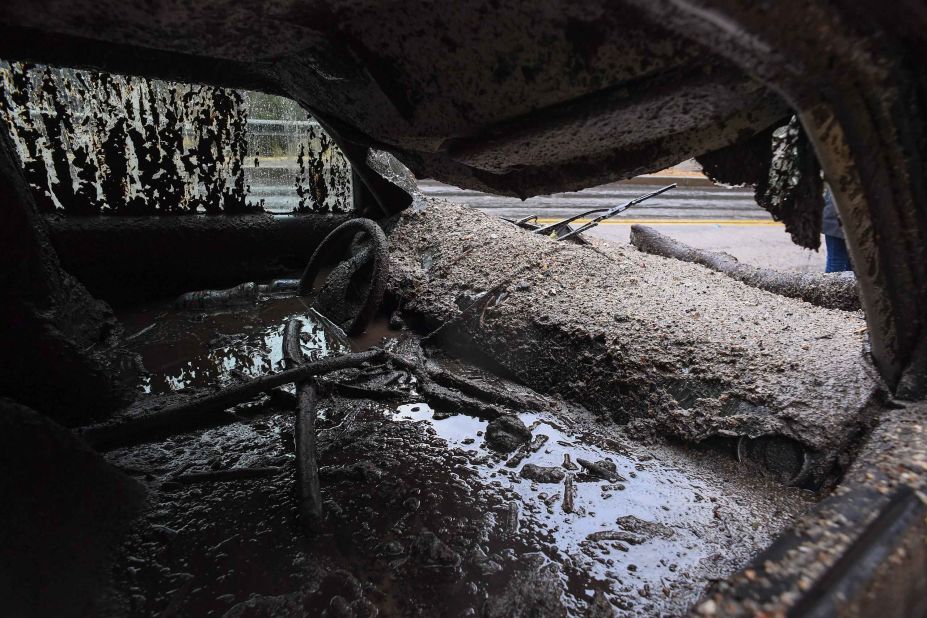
(396, 322)
(643, 527)
(506, 433)
(391, 549)
(433, 551)
(478, 556)
(542, 474)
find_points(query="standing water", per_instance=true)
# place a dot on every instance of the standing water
(422, 515)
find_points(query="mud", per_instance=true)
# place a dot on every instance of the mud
(84, 505)
(421, 517)
(860, 551)
(659, 345)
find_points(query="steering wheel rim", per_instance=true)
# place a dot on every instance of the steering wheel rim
(379, 256)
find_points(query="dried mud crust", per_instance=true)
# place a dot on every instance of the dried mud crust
(651, 342)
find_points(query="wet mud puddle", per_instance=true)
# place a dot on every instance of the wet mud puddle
(190, 349)
(643, 528)
(423, 515)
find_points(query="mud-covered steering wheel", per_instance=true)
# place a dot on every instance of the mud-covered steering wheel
(352, 264)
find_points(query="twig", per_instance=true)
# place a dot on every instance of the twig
(430, 372)
(488, 393)
(600, 471)
(478, 303)
(569, 494)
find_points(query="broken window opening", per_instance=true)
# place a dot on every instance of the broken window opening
(94, 143)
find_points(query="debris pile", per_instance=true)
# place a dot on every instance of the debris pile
(659, 345)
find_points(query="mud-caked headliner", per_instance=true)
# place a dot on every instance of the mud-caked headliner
(512, 97)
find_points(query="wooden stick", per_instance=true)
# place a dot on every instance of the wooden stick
(353, 391)
(487, 393)
(831, 290)
(307, 461)
(183, 416)
(451, 396)
(452, 389)
(569, 494)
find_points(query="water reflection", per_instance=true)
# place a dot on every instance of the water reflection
(648, 532)
(183, 350)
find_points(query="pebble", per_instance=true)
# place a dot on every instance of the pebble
(506, 433)
(542, 474)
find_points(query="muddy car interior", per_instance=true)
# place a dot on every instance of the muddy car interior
(269, 347)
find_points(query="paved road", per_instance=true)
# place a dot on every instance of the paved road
(697, 213)
(684, 202)
(707, 217)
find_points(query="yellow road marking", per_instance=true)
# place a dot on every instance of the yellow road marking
(748, 222)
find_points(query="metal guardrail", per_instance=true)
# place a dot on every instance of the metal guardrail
(284, 123)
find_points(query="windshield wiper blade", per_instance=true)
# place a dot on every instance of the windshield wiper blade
(614, 211)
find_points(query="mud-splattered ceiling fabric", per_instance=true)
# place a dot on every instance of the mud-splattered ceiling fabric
(93, 143)
(591, 92)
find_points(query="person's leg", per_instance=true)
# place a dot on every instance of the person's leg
(838, 258)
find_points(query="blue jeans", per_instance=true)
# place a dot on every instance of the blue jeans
(838, 259)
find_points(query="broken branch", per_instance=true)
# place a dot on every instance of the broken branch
(831, 290)
(307, 464)
(455, 390)
(183, 416)
(458, 392)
